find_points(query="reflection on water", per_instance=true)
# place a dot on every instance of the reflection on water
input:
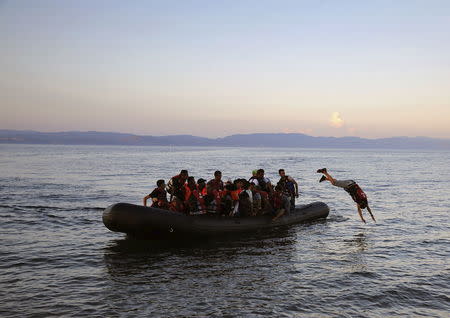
(122, 255)
(357, 247)
(226, 271)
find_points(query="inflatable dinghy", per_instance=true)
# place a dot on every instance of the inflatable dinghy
(141, 221)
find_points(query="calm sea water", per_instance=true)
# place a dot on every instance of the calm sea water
(57, 258)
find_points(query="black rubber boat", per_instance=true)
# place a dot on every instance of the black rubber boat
(140, 221)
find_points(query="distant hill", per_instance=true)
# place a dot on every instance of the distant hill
(241, 140)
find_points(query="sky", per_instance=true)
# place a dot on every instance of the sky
(214, 68)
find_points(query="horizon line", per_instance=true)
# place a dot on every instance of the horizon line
(214, 138)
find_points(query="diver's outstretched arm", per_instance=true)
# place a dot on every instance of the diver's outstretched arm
(360, 213)
(370, 212)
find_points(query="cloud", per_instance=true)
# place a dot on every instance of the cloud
(336, 120)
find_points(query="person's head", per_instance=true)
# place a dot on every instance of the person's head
(281, 172)
(217, 175)
(245, 184)
(238, 183)
(252, 186)
(160, 183)
(260, 173)
(191, 181)
(230, 187)
(184, 174)
(254, 173)
(201, 183)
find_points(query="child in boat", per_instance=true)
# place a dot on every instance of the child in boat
(158, 196)
(352, 188)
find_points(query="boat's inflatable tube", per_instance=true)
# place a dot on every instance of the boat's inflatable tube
(140, 221)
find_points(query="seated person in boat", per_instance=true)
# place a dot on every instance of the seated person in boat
(193, 201)
(353, 189)
(237, 189)
(201, 186)
(230, 197)
(214, 189)
(245, 200)
(216, 183)
(158, 196)
(226, 202)
(175, 187)
(281, 203)
(289, 185)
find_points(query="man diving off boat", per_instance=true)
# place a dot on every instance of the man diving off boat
(352, 188)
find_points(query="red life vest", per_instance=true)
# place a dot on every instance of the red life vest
(203, 191)
(200, 200)
(357, 195)
(235, 194)
(190, 194)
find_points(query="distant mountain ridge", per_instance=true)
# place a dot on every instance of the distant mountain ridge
(239, 140)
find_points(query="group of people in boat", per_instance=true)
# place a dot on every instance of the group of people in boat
(241, 197)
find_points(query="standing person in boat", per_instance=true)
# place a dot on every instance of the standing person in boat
(352, 188)
(289, 185)
(176, 189)
(253, 177)
(158, 196)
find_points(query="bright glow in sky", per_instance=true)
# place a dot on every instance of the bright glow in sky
(215, 68)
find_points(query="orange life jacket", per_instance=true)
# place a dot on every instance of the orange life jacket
(235, 194)
(187, 192)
